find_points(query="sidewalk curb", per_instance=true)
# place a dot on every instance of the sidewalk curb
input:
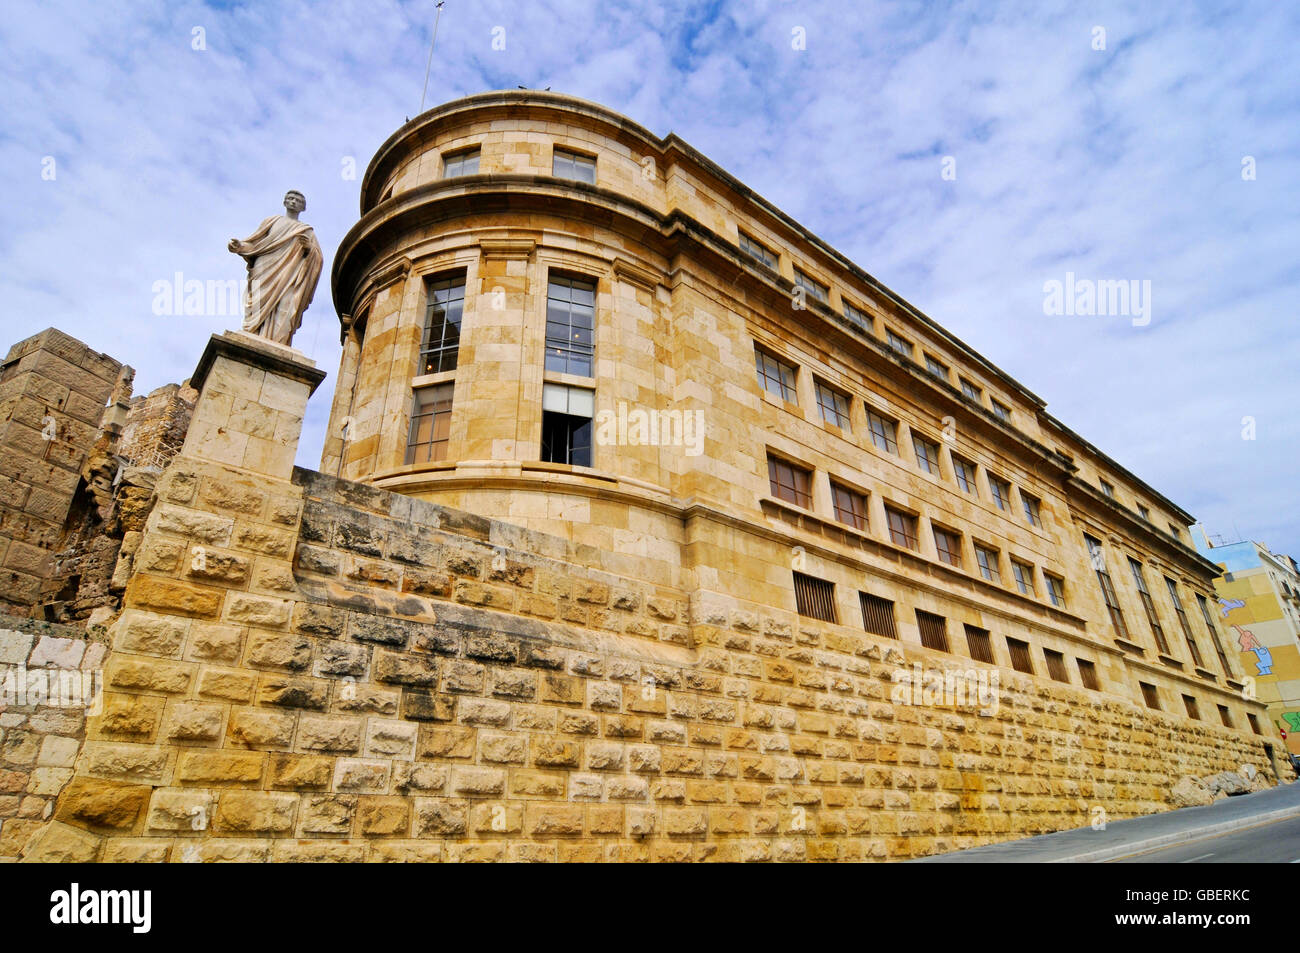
(1123, 850)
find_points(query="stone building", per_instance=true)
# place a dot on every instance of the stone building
(555, 318)
(1258, 602)
(648, 528)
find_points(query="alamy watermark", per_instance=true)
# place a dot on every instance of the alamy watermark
(52, 687)
(1101, 297)
(640, 427)
(935, 688)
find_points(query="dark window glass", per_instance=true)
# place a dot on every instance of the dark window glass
(850, 507)
(566, 439)
(788, 482)
(570, 325)
(948, 546)
(442, 316)
(902, 528)
(430, 424)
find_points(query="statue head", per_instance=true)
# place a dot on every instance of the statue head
(295, 201)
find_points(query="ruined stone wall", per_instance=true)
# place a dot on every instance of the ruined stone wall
(156, 425)
(319, 670)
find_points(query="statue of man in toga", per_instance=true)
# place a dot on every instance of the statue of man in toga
(284, 264)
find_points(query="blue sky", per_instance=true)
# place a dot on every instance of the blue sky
(1117, 163)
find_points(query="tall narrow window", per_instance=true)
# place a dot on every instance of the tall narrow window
(1254, 722)
(1225, 716)
(570, 325)
(988, 563)
(1214, 634)
(1097, 556)
(964, 472)
(1055, 589)
(1032, 511)
(1150, 695)
(899, 344)
(1021, 660)
(813, 287)
(1157, 630)
(1087, 674)
(834, 406)
(573, 165)
(884, 432)
(948, 546)
(758, 251)
(979, 643)
(1182, 621)
(1001, 491)
(850, 506)
(1056, 666)
(566, 424)
(902, 528)
(814, 598)
(927, 453)
(1024, 576)
(789, 482)
(430, 424)
(878, 615)
(441, 342)
(776, 376)
(934, 630)
(464, 162)
(1193, 711)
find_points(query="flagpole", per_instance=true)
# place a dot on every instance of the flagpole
(429, 64)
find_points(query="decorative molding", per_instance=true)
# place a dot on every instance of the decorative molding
(636, 275)
(507, 248)
(393, 274)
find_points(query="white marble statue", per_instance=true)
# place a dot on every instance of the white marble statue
(284, 264)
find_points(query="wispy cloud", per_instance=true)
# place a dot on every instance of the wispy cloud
(1120, 163)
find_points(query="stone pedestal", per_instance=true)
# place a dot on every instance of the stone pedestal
(252, 397)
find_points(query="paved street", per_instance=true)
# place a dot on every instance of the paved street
(1194, 834)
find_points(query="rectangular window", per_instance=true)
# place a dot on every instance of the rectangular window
(972, 391)
(566, 424)
(1214, 634)
(1186, 626)
(1225, 716)
(834, 406)
(1175, 533)
(934, 630)
(1097, 556)
(789, 482)
(572, 165)
(948, 546)
(776, 376)
(937, 368)
(758, 251)
(927, 453)
(813, 287)
(1055, 589)
(441, 341)
(1254, 722)
(1190, 704)
(1056, 666)
(1150, 695)
(1087, 674)
(964, 473)
(814, 598)
(878, 615)
(1144, 512)
(1001, 491)
(902, 528)
(1001, 411)
(850, 507)
(1021, 660)
(1156, 629)
(858, 317)
(1108, 489)
(988, 563)
(979, 644)
(1024, 576)
(464, 162)
(1032, 510)
(884, 432)
(570, 325)
(900, 344)
(430, 424)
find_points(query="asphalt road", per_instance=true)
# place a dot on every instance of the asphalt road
(1274, 843)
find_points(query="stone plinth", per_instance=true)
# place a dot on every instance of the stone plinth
(252, 396)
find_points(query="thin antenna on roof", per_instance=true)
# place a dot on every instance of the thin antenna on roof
(429, 64)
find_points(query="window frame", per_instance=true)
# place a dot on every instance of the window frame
(899, 344)
(909, 528)
(1033, 509)
(565, 349)
(954, 550)
(960, 467)
(943, 372)
(920, 443)
(756, 250)
(888, 431)
(577, 160)
(445, 353)
(990, 570)
(815, 289)
(803, 498)
(996, 486)
(859, 520)
(843, 419)
(1023, 575)
(435, 418)
(459, 156)
(762, 354)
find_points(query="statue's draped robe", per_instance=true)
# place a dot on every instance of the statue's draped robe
(284, 264)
